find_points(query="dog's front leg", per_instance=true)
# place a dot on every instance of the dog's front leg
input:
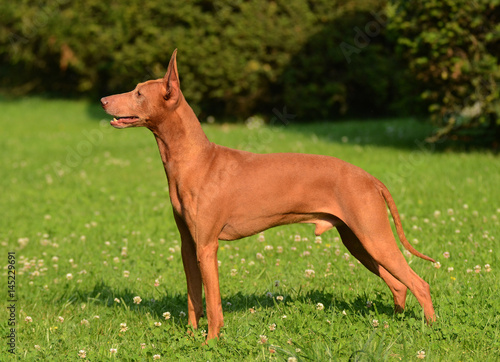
(193, 275)
(207, 258)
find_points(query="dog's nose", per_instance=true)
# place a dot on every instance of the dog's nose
(104, 101)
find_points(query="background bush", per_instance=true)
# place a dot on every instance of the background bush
(452, 48)
(321, 59)
(235, 57)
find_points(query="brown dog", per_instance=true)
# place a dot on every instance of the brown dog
(218, 193)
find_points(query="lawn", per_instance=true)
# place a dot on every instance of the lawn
(86, 215)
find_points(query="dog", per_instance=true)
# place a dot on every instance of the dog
(218, 193)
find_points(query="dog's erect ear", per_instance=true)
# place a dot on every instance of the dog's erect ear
(171, 78)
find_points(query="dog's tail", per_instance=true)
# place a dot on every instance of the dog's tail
(397, 221)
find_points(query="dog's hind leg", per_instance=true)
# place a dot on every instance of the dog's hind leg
(353, 244)
(373, 230)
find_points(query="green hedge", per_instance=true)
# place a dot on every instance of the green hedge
(236, 58)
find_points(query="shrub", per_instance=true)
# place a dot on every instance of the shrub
(235, 57)
(452, 48)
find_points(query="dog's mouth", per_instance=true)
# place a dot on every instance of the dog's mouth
(122, 122)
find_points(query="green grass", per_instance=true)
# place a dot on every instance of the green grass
(85, 208)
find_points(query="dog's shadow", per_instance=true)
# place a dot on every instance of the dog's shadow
(359, 306)
(176, 304)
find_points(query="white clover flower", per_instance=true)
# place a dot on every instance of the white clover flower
(310, 273)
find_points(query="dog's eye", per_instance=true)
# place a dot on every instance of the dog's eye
(139, 94)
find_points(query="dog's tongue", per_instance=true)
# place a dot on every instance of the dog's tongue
(120, 122)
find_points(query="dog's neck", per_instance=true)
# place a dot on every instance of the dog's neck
(180, 138)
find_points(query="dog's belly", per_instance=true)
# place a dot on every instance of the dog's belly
(237, 229)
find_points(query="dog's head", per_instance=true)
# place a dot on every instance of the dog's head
(149, 103)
